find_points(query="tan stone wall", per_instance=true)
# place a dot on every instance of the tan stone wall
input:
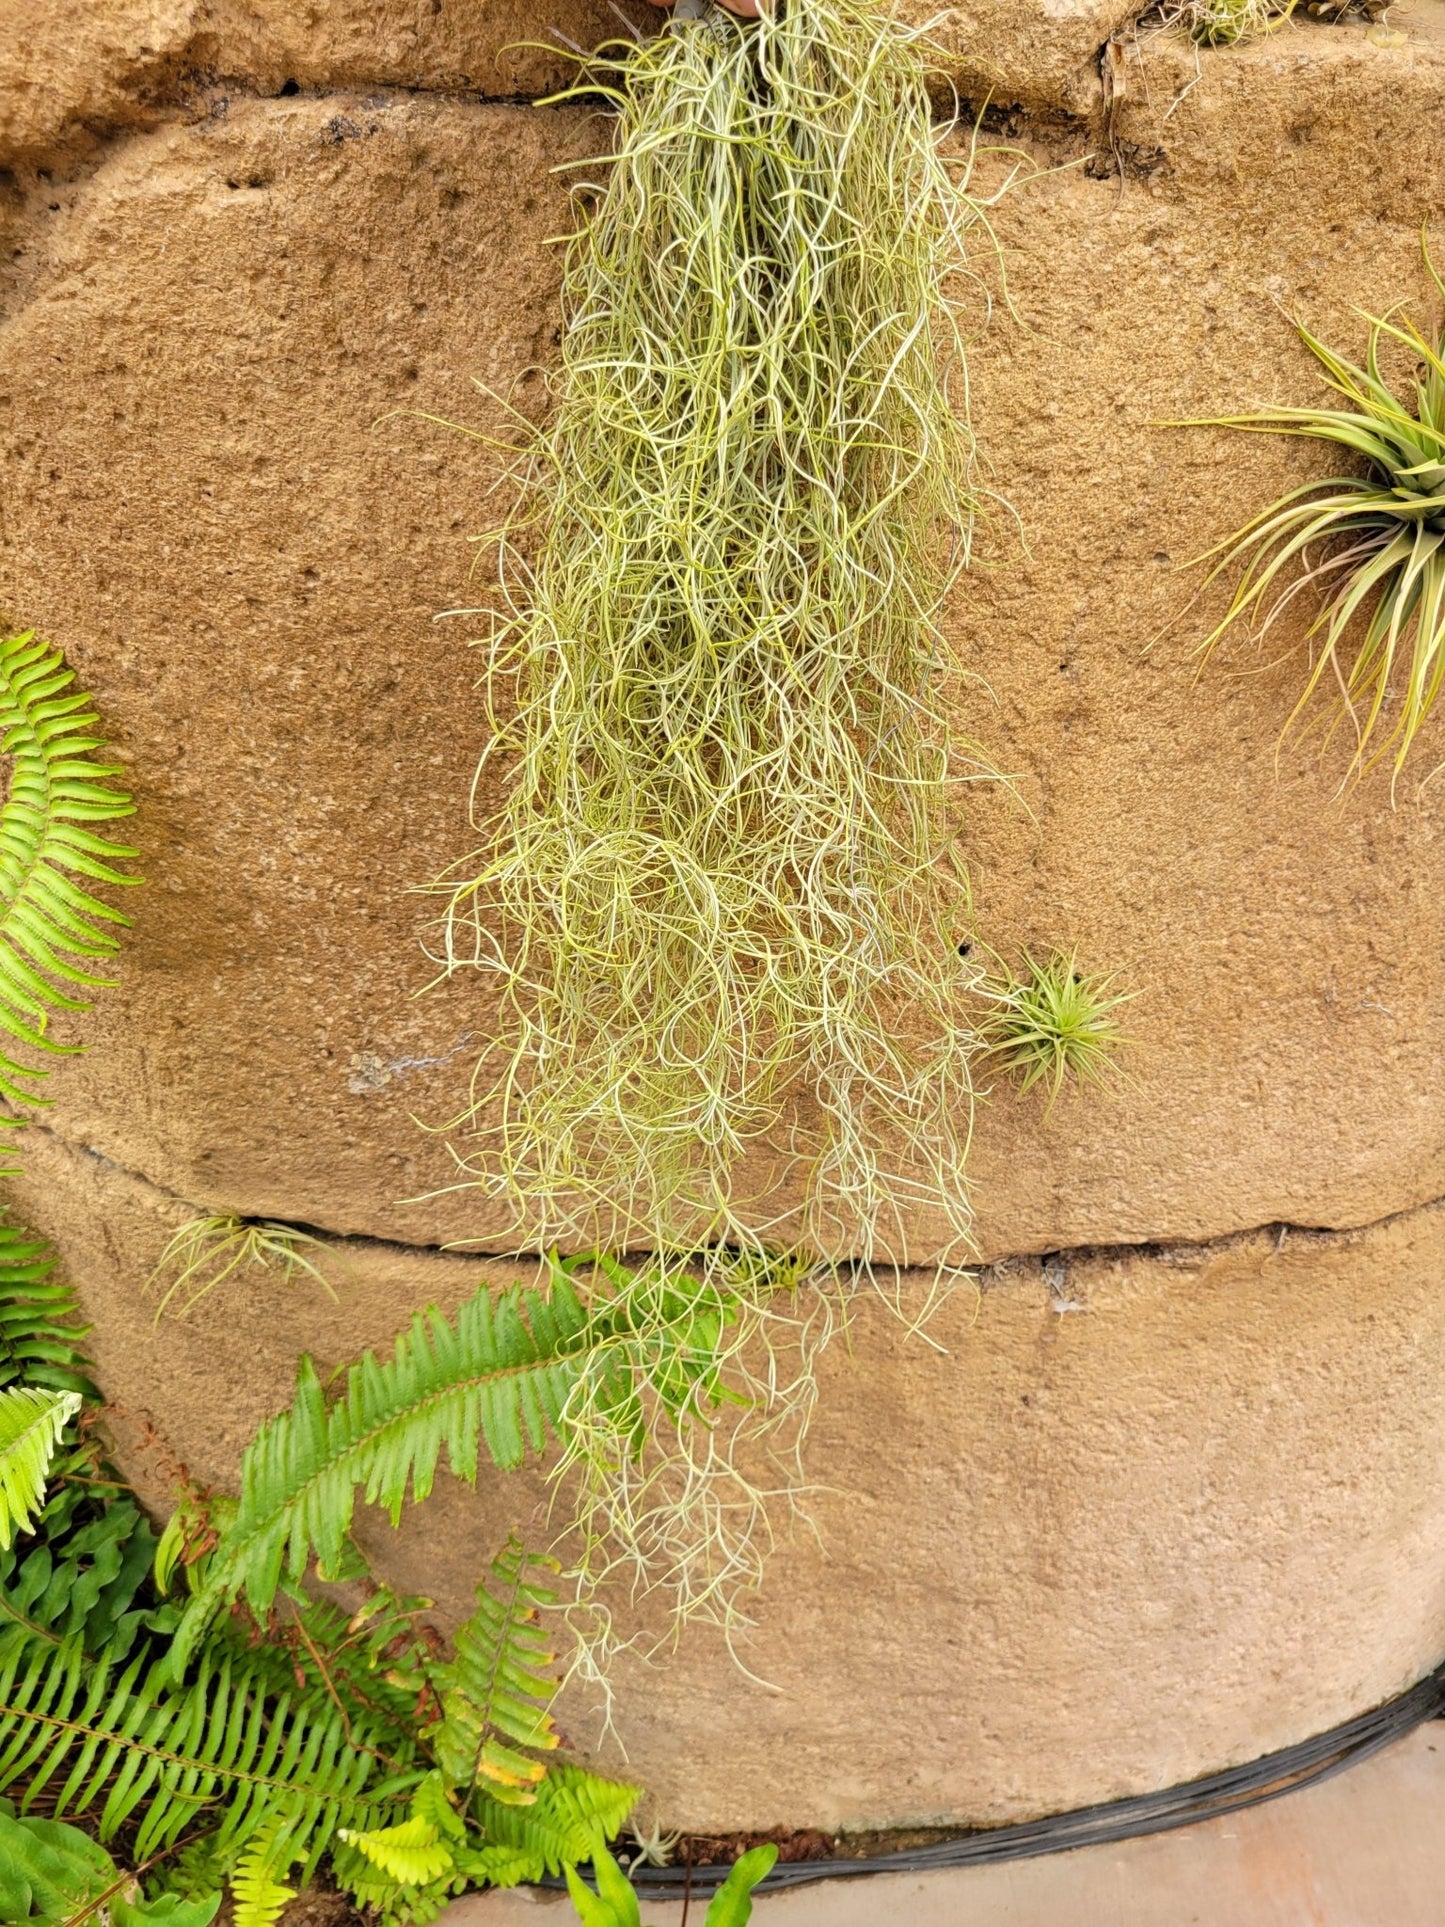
(1213, 1525)
(1132, 1516)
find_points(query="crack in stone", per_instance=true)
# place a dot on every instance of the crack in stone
(309, 1228)
(189, 96)
(1053, 1265)
(176, 95)
(70, 155)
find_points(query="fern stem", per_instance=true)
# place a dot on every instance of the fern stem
(130, 1878)
(238, 1776)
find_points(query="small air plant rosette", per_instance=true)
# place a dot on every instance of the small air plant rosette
(1229, 23)
(1051, 1024)
(1366, 547)
(1225, 23)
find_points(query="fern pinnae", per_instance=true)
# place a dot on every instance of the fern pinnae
(31, 1422)
(572, 1808)
(506, 1373)
(413, 1853)
(40, 1339)
(500, 1684)
(629, 1382)
(260, 1894)
(50, 925)
(124, 1743)
(500, 1374)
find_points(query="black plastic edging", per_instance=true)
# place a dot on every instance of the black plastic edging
(1206, 1799)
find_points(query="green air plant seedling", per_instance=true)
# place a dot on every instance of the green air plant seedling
(1052, 1024)
(1365, 548)
(207, 1251)
(708, 885)
(1225, 23)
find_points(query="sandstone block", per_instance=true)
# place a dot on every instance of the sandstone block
(221, 506)
(1143, 1515)
(1212, 1457)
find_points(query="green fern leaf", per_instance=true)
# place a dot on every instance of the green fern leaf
(496, 1866)
(259, 1893)
(31, 1421)
(430, 1803)
(50, 926)
(573, 1811)
(413, 1854)
(39, 1337)
(127, 1744)
(386, 1901)
(500, 1374)
(84, 1572)
(407, 1872)
(383, 1871)
(497, 1689)
(376, 1664)
(420, 1849)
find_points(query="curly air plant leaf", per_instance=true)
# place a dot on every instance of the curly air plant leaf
(1227, 23)
(1369, 546)
(208, 1250)
(711, 889)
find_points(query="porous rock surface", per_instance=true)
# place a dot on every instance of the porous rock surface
(1121, 1518)
(76, 72)
(229, 311)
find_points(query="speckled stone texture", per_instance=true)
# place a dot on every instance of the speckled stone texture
(248, 249)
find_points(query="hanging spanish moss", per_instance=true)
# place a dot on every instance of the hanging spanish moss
(718, 889)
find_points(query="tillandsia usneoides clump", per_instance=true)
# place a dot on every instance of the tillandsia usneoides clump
(712, 887)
